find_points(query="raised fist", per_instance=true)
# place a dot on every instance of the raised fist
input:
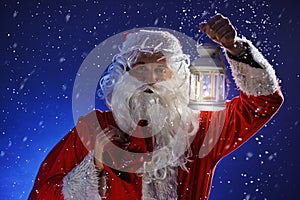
(221, 31)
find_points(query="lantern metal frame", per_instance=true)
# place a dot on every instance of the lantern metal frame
(208, 79)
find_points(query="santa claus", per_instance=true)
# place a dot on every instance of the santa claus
(151, 145)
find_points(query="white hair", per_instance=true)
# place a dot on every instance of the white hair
(143, 41)
(172, 123)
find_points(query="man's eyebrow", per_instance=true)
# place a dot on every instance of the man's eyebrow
(139, 63)
(162, 65)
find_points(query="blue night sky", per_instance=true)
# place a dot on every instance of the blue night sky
(43, 43)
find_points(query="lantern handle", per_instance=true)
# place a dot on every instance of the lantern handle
(198, 40)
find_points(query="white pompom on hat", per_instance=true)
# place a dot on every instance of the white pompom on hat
(152, 40)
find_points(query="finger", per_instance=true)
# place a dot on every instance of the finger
(124, 36)
(227, 33)
(209, 32)
(228, 39)
(206, 25)
(121, 133)
(202, 27)
(111, 135)
(215, 24)
(119, 139)
(213, 20)
(107, 133)
(222, 31)
(221, 23)
(104, 131)
(104, 137)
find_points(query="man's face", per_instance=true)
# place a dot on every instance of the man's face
(151, 68)
(150, 91)
(150, 98)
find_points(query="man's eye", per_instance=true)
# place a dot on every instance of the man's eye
(160, 70)
(141, 68)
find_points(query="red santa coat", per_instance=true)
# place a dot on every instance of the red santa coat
(244, 116)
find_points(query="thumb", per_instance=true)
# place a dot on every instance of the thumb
(202, 27)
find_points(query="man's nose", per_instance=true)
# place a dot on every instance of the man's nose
(151, 78)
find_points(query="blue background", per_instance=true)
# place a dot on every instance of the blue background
(43, 43)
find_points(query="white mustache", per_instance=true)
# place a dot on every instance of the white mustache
(146, 87)
(157, 89)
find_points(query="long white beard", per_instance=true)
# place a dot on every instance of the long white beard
(171, 123)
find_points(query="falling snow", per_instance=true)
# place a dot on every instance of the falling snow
(43, 43)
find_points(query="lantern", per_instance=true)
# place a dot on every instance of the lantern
(207, 79)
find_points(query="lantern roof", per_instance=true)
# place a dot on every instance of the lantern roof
(209, 56)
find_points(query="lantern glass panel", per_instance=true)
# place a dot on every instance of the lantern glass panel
(221, 87)
(207, 92)
(215, 86)
(195, 87)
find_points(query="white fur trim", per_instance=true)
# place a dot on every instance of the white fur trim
(82, 182)
(151, 39)
(251, 80)
(161, 189)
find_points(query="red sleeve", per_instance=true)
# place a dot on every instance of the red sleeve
(68, 153)
(244, 116)
(61, 160)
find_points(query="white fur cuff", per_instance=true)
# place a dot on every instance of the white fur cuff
(82, 182)
(251, 80)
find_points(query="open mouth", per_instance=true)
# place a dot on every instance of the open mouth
(143, 123)
(148, 91)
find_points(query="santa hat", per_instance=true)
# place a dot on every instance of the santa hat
(153, 40)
